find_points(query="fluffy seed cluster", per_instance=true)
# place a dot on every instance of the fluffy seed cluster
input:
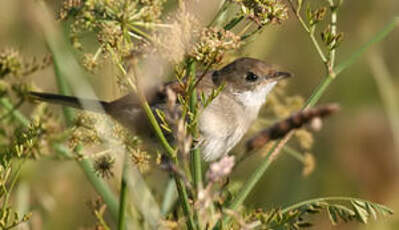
(174, 42)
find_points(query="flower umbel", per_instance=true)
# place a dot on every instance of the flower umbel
(264, 12)
(212, 45)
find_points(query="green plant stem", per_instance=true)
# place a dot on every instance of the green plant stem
(294, 153)
(317, 93)
(123, 194)
(170, 151)
(195, 157)
(233, 22)
(195, 154)
(317, 45)
(100, 219)
(197, 168)
(359, 52)
(181, 189)
(62, 85)
(14, 112)
(11, 187)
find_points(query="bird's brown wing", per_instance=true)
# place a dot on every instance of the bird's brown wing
(160, 95)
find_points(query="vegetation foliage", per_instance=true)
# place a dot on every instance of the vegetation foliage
(129, 32)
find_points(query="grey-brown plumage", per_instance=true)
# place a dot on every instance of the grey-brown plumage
(221, 124)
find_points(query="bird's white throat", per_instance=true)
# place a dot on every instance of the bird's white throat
(256, 98)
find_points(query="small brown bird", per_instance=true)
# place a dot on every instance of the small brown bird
(247, 82)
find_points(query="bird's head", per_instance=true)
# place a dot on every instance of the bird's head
(249, 80)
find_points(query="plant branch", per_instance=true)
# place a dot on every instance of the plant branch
(309, 30)
(195, 154)
(359, 52)
(334, 198)
(317, 45)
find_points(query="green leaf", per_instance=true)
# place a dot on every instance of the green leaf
(371, 210)
(332, 214)
(344, 213)
(361, 213)
(383, 210)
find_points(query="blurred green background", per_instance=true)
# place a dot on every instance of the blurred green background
(355, 151)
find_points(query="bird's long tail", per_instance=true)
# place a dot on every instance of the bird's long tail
(78, 103)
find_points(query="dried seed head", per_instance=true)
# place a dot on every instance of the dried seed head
(316, 16)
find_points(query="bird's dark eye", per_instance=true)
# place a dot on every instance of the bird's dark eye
(251, 77)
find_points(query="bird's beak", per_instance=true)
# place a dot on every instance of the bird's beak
(277, 76)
